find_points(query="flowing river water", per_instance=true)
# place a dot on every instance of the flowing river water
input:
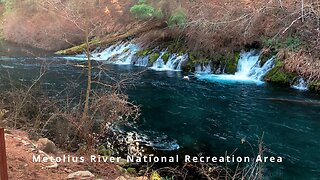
(204, 115)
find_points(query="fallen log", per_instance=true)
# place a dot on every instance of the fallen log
(110, 39)
(291, 100)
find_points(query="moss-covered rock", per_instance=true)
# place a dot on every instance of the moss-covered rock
(132, 171)
(143, 52)
(266, 54)
(165, 57)
(279, 75)
(153, 57)
(78, 49)
(231, 62)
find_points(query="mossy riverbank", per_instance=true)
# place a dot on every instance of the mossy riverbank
(220, 63)
(279, 75)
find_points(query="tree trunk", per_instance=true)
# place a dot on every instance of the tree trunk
(86, 122)
(109, 40)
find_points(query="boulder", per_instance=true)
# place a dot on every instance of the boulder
(47, 146)
(121, 178)
(81, 175)
(142, 178)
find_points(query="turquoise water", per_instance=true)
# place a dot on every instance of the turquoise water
(196, 116)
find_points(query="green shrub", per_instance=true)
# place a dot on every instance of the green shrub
(178, 17)
(8, 4)
(142, 10)
(158, 14)
(102, 150)
(292, 43)
(271, 43)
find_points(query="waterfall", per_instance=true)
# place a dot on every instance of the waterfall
(173, 64)
(120, 53)
(247, 61)
(203, 68)
(124, 53)
(248, 70)
(300, 84)
(142, 61)
(258, 72)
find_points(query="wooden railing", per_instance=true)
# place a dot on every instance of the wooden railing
(3, 157)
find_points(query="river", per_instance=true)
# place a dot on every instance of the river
(198, 116)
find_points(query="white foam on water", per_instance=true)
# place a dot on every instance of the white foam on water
(248, 70)
(120, 53)
(173, 64)
(300, 84)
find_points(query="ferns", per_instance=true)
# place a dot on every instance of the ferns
(150, 10)
(178, 17)
(143, 10)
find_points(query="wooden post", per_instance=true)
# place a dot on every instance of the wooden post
(3, 157)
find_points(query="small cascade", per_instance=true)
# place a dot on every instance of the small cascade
(248, 70)
(247, 61)
(203, 68)
(300, 84)
(120, 53)
(258, 72)
(142, 61)
(173, 64)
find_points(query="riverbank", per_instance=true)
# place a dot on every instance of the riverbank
(21, 165)
(215, 39)
(177, 115)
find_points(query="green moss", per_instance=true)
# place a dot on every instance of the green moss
(279, 75)
(192, 57)
(231, 62)
(314, 86)
(77, 49)
(143, 52)
(165, 57)
(198, 58)
(132, 171)
(177, 46)
(153, 57)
